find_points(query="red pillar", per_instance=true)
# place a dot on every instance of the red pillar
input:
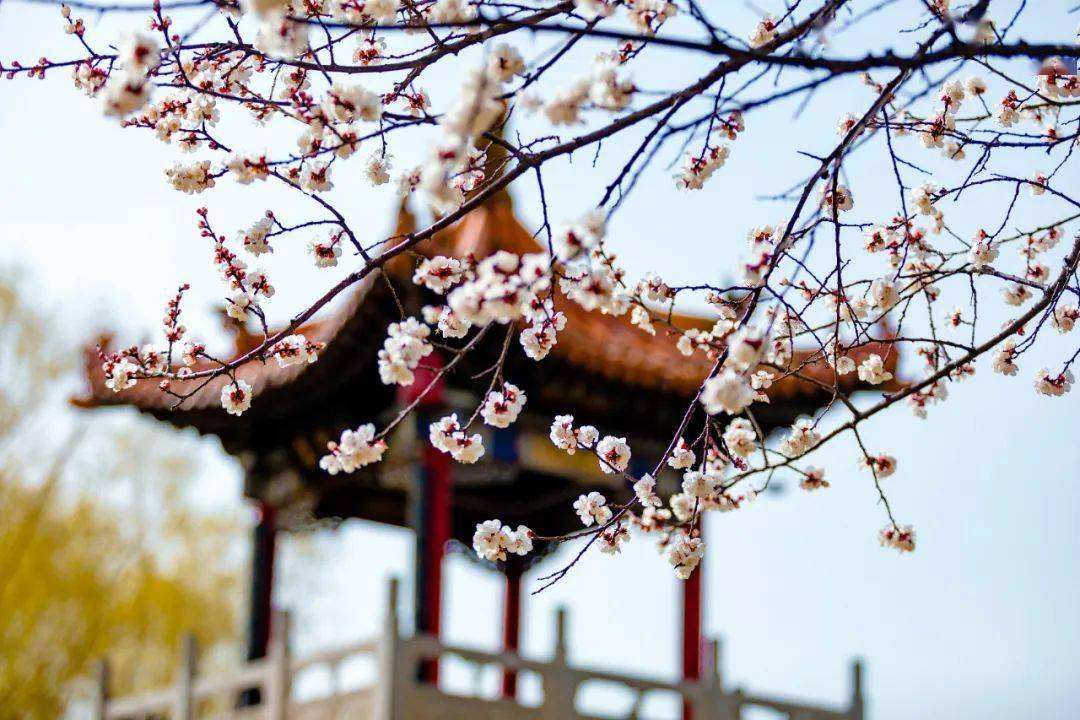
(511, 623)
(691, 631)
(432, 517)
(436, 534)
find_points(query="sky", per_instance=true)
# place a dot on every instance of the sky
(980, 622)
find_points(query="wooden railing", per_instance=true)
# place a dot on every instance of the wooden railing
(398, 694)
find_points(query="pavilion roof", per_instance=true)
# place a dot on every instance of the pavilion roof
(599, 344)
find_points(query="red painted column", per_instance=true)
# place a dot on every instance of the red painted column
(432, 512)
(437, 521)
(691, 631)
(511, 623)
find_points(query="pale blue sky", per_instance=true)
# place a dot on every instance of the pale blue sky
(981, 622)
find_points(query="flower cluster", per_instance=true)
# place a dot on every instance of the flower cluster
(405, 346)
(492, 541)
(356, 449)
(295, 350)
(697, 169)
(684, 554)
(449, 437)
(901, 539)
(130, 91)
(592, 508)
(566, 437)
(501, 409)
(236, 397)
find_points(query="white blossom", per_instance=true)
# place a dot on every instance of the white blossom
(740, 437)
(983, 252)
(839, 198)
(240, 304)
(745, 347)
(281, 37)
(575, 240)
(326, 254)
(294, 350)
(682, 456)
(1015, 294)
(1004, 358)
(684, 554)
(813, 479)
(405, 345)
(247, 168)
(802, 438)
(901, 539)
(447, 436)
(922, 197)
(448, 324)
(377, 168)
(315, 177)
(354, 450)
(1065, 317)
(120, 375)
(613, 453)
(254, 238)
(191, 179)
(610, 541)
(501, 409)
(764, 32)
(140, 54)
(492, 541)
(699, 485)
(699, 168)
(1053, 385)
(592, 508)
(975, 86)
(645, 491)
(872, 370)
(1038, 184)
(236, 397)
(566, 437)
(884, 294)
(439, 273)
(452, 11)
(726, 392)
(592, 9)
(881, 465)
(504, 62)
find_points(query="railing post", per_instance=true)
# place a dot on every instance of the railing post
(184, 704)
(559, 681)
(856, 710)
(280, 668)
(560, 635)
(717, 659)
(101, 690)
(711, 702)
(388, 675)
(735, 704)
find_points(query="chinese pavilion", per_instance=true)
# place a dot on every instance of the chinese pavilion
(603, 370)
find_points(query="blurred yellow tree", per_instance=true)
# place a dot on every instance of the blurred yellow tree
(81, 577)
